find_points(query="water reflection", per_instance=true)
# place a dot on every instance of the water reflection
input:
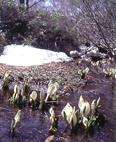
(32, 113)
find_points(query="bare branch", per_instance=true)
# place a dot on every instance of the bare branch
(35, 3)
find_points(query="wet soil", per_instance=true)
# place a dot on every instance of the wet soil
(34, 124)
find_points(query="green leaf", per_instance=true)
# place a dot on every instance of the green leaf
(97, 106)
(65, 117)
(93, 123)
(89, 123)
(51, 128)
(55, 119)
(11, 102)
(83, 72)
(24, 99)
(57, 96)
(84, 110)
(56, 28)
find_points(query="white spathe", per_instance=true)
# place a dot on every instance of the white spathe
(16, 93)
(73, 118)
(42, 98)
(84, 104)
(17, 117)
(51, 92)
(16, 89)
(85, 121)
(52, 117)
(6, 76)
(70, 115)
(94, 105)
(33, 96)
(68, 111)
(25, 55)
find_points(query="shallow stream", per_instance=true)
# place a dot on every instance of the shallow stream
(34, 124)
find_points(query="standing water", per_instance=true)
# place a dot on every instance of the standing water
(34, 124)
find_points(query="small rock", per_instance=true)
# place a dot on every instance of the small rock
(75, 54)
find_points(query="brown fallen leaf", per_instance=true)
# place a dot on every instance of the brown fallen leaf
(49, 139)
(3, 108)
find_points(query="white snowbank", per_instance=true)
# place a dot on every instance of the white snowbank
(25, 55)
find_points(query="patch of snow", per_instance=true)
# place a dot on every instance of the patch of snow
(25, 55)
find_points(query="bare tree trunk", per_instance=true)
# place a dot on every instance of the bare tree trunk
(27, 4)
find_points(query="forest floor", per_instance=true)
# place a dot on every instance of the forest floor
(67, 74)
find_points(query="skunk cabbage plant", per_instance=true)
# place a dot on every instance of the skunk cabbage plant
(23, 98)
(5, 80)
(27, 86)
(70, 115)
(16, 119)
(94, 106)
(33, 98)
(52, 118)
(42, 98)
(15, 96)
(66, 113)
(6, 76)
(51, 92)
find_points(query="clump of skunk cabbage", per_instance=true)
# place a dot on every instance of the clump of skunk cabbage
(33, 98)
(87, 112)
(51, 92)
(5, 81)
(15, 121)
(26, 85)
(17, 96)
(108, 72)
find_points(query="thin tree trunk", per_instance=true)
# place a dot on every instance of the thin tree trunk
(27, 4)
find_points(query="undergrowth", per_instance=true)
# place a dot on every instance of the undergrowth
(43, 29)
(59, 29)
